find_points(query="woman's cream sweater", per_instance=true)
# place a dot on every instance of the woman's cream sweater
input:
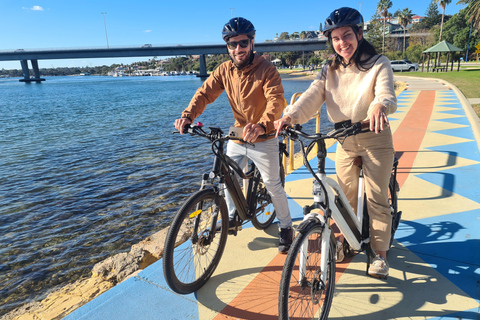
(349, 93)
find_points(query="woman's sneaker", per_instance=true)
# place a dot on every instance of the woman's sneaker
(340, 255)
(378, 268)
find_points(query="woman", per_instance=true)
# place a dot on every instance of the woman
(358, 85)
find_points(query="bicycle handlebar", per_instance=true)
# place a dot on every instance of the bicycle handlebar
(296, 131)
(215, 134)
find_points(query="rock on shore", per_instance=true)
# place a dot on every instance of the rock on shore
(105, 275)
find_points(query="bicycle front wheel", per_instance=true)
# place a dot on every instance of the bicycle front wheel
(303, 295)
(265, 212)
(193, 247)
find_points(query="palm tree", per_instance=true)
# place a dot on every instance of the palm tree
(382, 8)
(443, 4)
(404, 18)
(473, 10)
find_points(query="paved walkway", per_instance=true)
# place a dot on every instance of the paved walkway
(434, 263)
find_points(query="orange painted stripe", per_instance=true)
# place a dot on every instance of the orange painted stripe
(259, 299)
(409, 135)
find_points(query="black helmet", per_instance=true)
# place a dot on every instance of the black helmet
(238, 26)
(342, 17)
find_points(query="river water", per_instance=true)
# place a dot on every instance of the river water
(88, 167)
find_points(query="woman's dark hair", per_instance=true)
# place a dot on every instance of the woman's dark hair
(362, 57)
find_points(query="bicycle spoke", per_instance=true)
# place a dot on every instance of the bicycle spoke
(192, 248)
(303, 295)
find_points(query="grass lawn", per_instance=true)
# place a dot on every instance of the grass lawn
(467, 81)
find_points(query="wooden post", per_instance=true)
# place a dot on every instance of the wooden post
(423, 61)
(446, 64)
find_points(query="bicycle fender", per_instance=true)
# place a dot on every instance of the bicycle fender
(305, 225)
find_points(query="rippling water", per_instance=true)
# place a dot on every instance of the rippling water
(89, 167)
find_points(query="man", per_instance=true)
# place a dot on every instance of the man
(255, 93)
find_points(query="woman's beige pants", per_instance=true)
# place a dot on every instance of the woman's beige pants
(377, 155)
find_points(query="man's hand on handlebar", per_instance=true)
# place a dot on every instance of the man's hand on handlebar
(280, 124)
(181, 123)
(251, 132)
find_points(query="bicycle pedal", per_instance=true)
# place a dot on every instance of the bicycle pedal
(233, 231)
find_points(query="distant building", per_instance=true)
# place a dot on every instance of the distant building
(416, 19)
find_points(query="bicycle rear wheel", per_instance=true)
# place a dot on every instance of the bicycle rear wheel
(305, 296)
(193, 248)
(265, 212)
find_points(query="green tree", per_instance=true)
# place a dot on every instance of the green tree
(472, 12)
(284, 36)
(404, 18)
(291, 57)
(303, 35)
(382, 8)
(457, 29)
(443, 4)
(294, 35)
(212, 65)
(374, 32)
(414, 52)
(432, 16)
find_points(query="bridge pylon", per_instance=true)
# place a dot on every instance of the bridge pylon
(26, 72)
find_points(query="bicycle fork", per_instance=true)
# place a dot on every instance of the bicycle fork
(324, 222)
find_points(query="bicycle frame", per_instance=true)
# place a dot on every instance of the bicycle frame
(225, 169)
(347, 221)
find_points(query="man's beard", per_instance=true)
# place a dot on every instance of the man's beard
(242, 63)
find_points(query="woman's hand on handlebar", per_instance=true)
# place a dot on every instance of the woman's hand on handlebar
(181, 123)
(280, 124)
(378, 118)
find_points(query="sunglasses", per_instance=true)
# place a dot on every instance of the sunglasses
(232, 45)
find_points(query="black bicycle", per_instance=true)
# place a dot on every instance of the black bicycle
(308, 277)
(194, 244)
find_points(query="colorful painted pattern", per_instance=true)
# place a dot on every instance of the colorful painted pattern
(434, 264)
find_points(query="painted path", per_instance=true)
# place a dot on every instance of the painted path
(434, 263)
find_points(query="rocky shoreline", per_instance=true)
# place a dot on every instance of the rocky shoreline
(105, 275)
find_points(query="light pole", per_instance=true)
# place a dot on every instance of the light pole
(105, 25)
(360, 7)
(231, 10)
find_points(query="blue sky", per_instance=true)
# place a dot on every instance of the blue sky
(42, 24)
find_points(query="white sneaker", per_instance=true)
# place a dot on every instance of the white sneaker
(339, 255)
(379, 268)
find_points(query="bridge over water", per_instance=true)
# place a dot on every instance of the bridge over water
(146, 51)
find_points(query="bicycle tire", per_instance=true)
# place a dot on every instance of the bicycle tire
(304, 298)
(190, 258)
(265, 212)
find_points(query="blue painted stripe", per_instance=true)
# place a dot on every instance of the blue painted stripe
(450, 244)
(466, 150)
(137, 299)
(465, 132)
(462, 181)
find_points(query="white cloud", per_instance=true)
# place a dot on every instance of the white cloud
(34, 8)
(147, 31)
